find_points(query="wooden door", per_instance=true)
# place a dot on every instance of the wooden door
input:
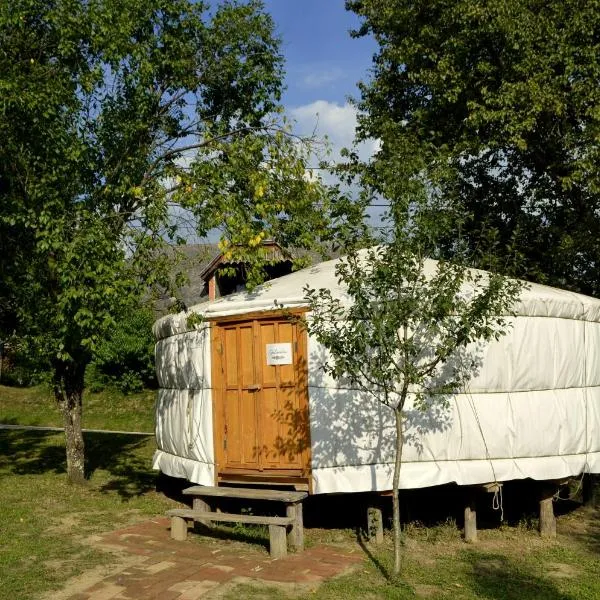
(261, 410)
(261, 399)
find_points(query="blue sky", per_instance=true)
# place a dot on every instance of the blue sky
(323, 65)
(323, 62)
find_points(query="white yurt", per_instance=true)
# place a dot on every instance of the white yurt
(243, 398)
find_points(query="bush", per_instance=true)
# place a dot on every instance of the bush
(21, 366)
(125, 359)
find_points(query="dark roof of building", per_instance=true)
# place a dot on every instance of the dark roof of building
(198, 262)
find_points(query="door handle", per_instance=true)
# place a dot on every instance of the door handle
(255, 387)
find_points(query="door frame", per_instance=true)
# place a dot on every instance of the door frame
(299, 478)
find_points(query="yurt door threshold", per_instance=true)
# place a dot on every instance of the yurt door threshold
(259, 371)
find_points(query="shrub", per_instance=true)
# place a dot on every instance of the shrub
(125, 359)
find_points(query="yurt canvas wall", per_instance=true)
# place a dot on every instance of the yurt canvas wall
(531, 410)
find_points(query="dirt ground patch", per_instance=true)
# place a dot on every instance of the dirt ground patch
(561, 570)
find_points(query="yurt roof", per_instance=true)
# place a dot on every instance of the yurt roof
(535, 300)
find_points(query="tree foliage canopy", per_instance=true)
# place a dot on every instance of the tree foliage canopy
(405, 330)
(118, 118)
(494, 107)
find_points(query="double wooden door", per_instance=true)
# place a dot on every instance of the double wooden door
(261, 400)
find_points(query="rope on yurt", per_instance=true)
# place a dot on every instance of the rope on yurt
(572, 495)
(497, 500)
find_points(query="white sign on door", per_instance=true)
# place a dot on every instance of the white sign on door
(279, 354)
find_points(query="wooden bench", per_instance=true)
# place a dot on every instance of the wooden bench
(282, 530)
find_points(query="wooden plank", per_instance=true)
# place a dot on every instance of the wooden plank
(189, 513)
(247, 366)
(271, 415)
(230, 435)
(218, 404)
(247, 429)
(245, 493)
(301, 338)
(267, 479)
(490, 488)
(296, 532)
(294, 313)
(286, 333)
(267, 373)
(230, 357)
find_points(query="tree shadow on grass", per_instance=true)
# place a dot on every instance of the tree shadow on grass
(363, 542)
(31, 452)
(497, 577)
(39, 452)
(119, 455)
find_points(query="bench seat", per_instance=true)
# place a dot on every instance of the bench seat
(277, 525)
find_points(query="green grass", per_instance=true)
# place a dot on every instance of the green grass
(508, 563)
(44, 521)
(108, 409)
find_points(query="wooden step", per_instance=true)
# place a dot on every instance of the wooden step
(246, 493)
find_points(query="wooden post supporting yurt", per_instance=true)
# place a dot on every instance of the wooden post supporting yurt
(470, 521)
(547, 525)
(375, 522)
(470, 512)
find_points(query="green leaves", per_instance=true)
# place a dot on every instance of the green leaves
(117, 118)
(492, 106)
(406, 322)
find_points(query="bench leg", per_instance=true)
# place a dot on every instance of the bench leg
(178, 529)
(202, 505)
(278, 541)
(295, 535)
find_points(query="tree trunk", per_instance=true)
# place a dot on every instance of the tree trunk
(68, 391)
(396, 483)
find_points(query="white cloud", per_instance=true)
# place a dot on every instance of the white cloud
(317, 79)
(337, 122)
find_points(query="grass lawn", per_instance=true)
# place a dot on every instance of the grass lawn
(44, 522)
(103, 410)
(508, 563)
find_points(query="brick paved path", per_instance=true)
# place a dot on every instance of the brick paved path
(156, 567)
